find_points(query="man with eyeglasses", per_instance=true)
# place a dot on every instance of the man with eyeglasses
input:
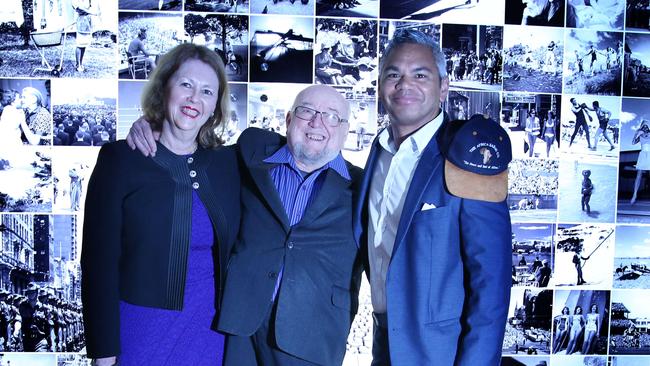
(293, 278)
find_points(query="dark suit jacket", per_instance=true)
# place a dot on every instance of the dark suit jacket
(137, 231)
(318, 297)
(448, 281)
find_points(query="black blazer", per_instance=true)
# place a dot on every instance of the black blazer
(318, 298)
(137, 230)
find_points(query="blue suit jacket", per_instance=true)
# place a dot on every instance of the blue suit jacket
(448, 282)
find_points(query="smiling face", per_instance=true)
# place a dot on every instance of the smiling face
(410, 87)
(192, 93)
(314, 143)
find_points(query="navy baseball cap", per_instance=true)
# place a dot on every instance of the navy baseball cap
(477, 153)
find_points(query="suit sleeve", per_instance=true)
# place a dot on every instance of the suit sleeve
(486, 250)
(100, 256)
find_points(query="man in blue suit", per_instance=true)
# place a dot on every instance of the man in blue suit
(437, 231)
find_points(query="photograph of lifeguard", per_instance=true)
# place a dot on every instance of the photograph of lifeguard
(630, 323)
(580, 322)
(583, 254)
(528, 330)
(532, 190)
(532, 254)
(632, 257)
(58, 38)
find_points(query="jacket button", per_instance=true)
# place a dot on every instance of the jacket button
(290, 245)
(195, 185)
(190, 160)
(192, 173)
(272, 274)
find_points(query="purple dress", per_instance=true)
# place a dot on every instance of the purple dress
(151, 336)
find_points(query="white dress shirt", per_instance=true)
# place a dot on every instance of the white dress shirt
(391, 178)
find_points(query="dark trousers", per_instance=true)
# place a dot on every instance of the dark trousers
(583, 123)
(259, 348)
(380, 350)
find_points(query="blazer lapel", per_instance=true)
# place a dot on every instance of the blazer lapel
(360, 213)
(333, 186)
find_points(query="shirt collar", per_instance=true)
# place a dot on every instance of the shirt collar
(283, 156)
(417, 141)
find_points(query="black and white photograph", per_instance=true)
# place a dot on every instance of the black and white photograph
(592, 63)
(591, 126)
(290, 7)
(637, 16)
(281, 49)
(238, 113)
(388, 27)
(586, 190)
(128, 106)
(348, 8)
(632, 257)
(525, 361)
(629, 361)
(74, 359)
(629, 333)
(528, 329)
(463, 104)
(575, 360)
(143, 38)
(20, 359)
(532, 190)
(585, 326)
(345, 52)
(217, 6)
(583, 255)
(26, 180)
(71, 172)
(65, 38)
(636, 71)
(634, 163)
(532, 59)
(363, 124)
(600, 15)
(25, 113)
(41, 280)
(532, 257)
(473, 54)
(84, 112)
(535, 12)
(150, 4)
(445, 11)
(268, 105)
(533, 124)
(227, 35)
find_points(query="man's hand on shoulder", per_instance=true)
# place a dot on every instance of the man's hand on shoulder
(142, 137)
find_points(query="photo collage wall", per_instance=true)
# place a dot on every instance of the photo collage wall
(569, 80)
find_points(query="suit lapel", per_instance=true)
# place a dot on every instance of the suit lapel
(360, 214)
(333, 186)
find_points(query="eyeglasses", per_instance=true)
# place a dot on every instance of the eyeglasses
(309, 114)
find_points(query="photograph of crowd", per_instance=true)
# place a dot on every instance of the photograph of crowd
(593, 62)
(150, 4)
(636, 72)
(632, 257)
(535, 12)
(447, 11)
(26, 180)
(580, 322)
(25, 116)
(227, 35)
(217, 6)
(532, 190)
(473, 55)
(71, 173)
(84, 112)
(634, 163)
(292, 7)
(590, 127)
(532, 59)
(586, 191)
(532, 257)
(528, 330)
(630, 323)
(281, 49)
(50, 38)
(40, 283)
(637, 16)
(601, 15)
(143, 38)
(128, 106)
(462, 104)
(533, 124)
(347, 8)
(525, 361)
(348, 52)
(583, 252)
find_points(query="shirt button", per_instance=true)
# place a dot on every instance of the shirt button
(290, 245)
(192, 173)
(272, 274)
(195, 185)
(190, 160)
